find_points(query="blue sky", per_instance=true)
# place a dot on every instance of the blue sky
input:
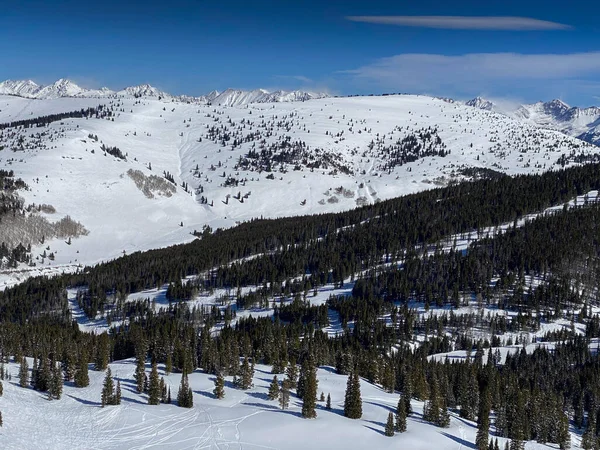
(545, 49)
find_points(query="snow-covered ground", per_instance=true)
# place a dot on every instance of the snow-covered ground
(243, 419)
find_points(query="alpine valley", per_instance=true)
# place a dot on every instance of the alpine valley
(407, 271)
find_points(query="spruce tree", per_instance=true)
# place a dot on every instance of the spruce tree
(56, 383)
(219, 389)
(1, 389)
(185, 398)
(1, 421)
(401, 416)
(292, 374)
(102, 352)
(140, 372)
(108, 389)
(389, 426)
(273, 389)
(23, 373)
(309, 398)
(154, 391)
(483, 428)
(118, 393)
(353, 400)
(284, 395)
(328, 404)
(82, 378)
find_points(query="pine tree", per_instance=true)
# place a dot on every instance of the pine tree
(185, 398)
(407, 394)
(284, 395)
(56, 383)
(246, 375)
(309, 399)
(1, 389)
(353, 400)
(108, 389)
(140, 372)
(118, 393)
(154, 391)
(483, 429)
(328, 404)
(389, 426)
(23, 373)
(435, 410)
(274, 389)
(169, 395)
(1, 421)
(292, 375)
(102, 352)
(401, 415)
(219, 389)
(82, 378)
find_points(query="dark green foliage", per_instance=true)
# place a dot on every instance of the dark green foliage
(389, 425)
(219, 390)
(82, 378)
(400, 425)
(185, 396)
(110, 396)
(328, 404)
(353, 400)
(23, 373)
(274, 389)
(154, 389)
(284, 395)
(310, 383)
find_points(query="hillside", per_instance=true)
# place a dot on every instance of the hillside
(172, 168)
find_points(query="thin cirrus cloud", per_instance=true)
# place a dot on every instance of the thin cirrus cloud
(474, 71)
(464, 22)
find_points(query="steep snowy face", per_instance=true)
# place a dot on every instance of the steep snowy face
(143, 90)
(22, 88)
(60, 88)
(235, 97)
(481, 103)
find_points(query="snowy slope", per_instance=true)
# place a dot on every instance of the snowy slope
(243, 419)
(345, 158)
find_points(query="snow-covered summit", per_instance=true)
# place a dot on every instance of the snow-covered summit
(481, 103)
(22, 88)
(143, 90)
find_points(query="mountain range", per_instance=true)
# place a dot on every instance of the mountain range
(230, 97)
(582, 123)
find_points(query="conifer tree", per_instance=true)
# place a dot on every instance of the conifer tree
(219, 389)
(328, 404)
(407, 394)
(56, 383)
(353, 400)
(107, 389)
(169, 395)
(389, 426)
(401, 415)
(273, 389)
(483, 419)
(322, 397)
(1, 421)
(292, 374)
(185, 398)
(102, 352)
(284, 395)
(154, 391)
(140, 371)
(118, 393)
(309, 398)
(23, 373)
(82, 378)
(1, 389)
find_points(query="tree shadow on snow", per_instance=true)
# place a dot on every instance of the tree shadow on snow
(133, 400)
(386, 407)
(376, 430)
(84, 401)
(205, 394)
(460, 441)
(262, 406)
(258, 395)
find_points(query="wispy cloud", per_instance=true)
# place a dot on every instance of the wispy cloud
(479, 72)
(300, 78)
(464, 22)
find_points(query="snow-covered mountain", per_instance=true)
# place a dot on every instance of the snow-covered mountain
(236, 97)
(583, 123)
(230, 97)
(481, 103)
(180, 168)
